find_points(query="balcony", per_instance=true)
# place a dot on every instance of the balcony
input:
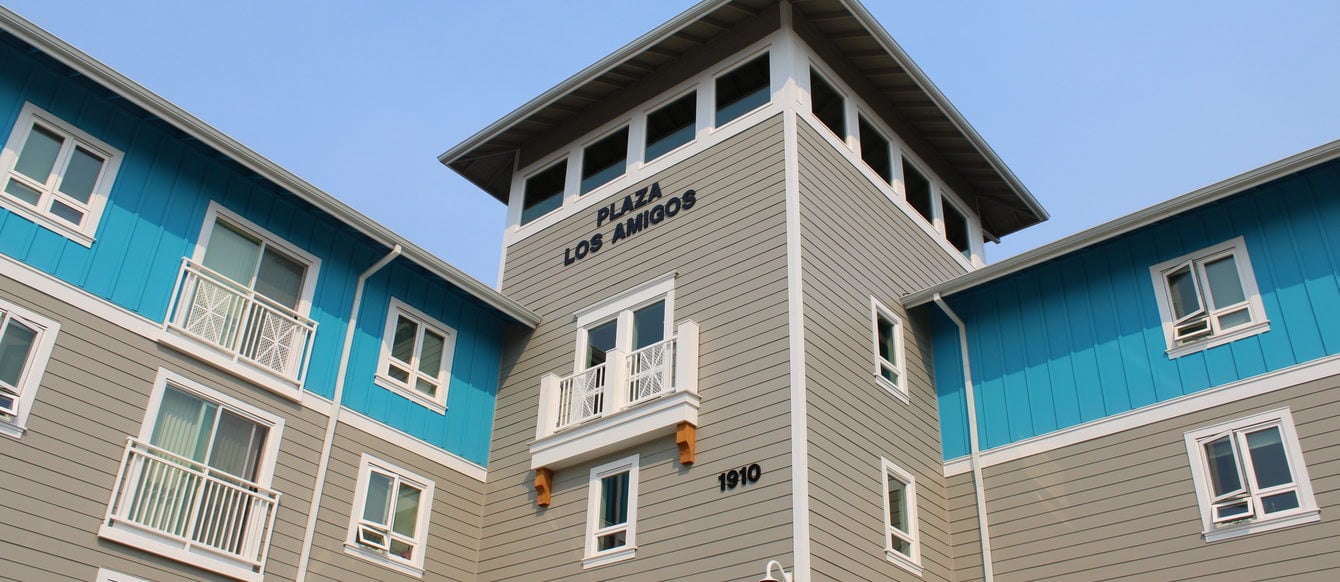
(629, 399)
(175, 507)
(238, 324)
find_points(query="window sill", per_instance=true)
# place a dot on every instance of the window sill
(161, 545)
(382, 560)
(412, 396)
(1218, 340)
(11, 430)
(610, 557)
(894, 389)
(46, 222)
(1262, 525)
(903, 561)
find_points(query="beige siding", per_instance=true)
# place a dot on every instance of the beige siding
(730, 255)
(1124, 507)
(57, 479)
(856, 244)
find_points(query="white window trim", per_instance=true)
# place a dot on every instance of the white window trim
(593, 558)
(413, 567)
(1307, 505)
(400, 308)
(910, 563)
(31, 378)
(580, 156)
(1238, 247)
(105, 575)
(217, 211)
(639, 147)
(622, 307)
(898, 388)
(97, 201)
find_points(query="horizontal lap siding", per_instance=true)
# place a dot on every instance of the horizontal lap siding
(730, 255)
(57, 479)
(857, 244)
(1124, 507)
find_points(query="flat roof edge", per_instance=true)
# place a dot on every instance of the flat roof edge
(1130, 222)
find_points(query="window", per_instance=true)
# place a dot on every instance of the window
(194, 485)
(1249, 476)
(389, 522)
(917, 189)
(416, 356)
(604, 160)
(544, 192)
(57, 175)
(901, 543)
(611, 525)
(105, 575)
(956, 228)
(742, 90)
(1208, 298)
(888, 352)
(875, 150)
(827, 104)
(26, 340)
(671, 126)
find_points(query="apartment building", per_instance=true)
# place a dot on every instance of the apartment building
(743, 316)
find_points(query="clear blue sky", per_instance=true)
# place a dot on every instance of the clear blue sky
(1100, 108)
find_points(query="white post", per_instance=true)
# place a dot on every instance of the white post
(616, 381)
(548, 415)
(686, 357)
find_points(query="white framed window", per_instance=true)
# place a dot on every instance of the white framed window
(902, 543)
(543, 191)
(194, 485)
(1208, 298)
(742, 89)
(257, 259)
(416, 356)
(604, 160)
(631, 321)
(1250, 476)
(876, 150)
(56, 175)
(611, 524)
(26, 341)
(671, 125)
(105, 575)
(828, 104)
(389, 521)
(886, 331)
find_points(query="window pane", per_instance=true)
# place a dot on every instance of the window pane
(887, 341)
(24, 193)
(649, 325)
(897, 504)
(599, 340)
(39, 154)
(614, 500)
(1233, 319)
(544, 192)
(402, 347)
(430, 358)
(956, 228)
(671, 126)
(604, 160)
(742, 90)
(827, 104)
(617, 539)
(1222, 278)
(80, 175)
(1223, 466)
(184, 424)
(237, 446)
(875, 150)
(376, 507)
(232, 254)
(1182, 292)
(1270, 463)
(66, 212)
(406, 511)
(1280, 502)
(1243, 508)
(280, 278)
(918, 190)
(402, 549)
(15, 346)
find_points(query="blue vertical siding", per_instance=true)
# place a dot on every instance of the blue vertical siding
(1079, 338)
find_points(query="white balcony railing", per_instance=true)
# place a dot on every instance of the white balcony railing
(625, 381)
(192, 505)
(244, 324)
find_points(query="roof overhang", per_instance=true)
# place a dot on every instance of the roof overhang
(925, 117)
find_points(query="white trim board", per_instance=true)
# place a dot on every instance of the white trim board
(393, 436)
(1203, 400)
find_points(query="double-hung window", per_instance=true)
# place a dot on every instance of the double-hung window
(194, 485)
(389, 522)
(1249, 476)
(56, 175)
(901, 540)
(1208, 298)
(611, 527)
(887, 334)
(26, 340)
(416, 356)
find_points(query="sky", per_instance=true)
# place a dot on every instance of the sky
(1101, 108)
